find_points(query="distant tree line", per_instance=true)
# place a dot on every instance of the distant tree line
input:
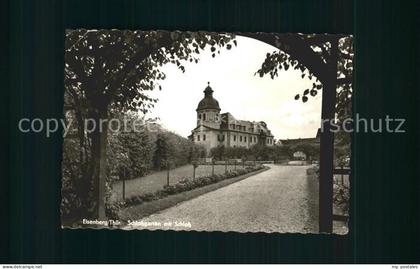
(140, 153)
(275, 153)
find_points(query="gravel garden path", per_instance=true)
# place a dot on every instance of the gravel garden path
(281, 199)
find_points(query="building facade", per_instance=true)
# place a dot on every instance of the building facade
(217, 129)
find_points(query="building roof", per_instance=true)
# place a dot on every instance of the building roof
(315, 139)
(299, 141)
(208, 102)
(228, 130)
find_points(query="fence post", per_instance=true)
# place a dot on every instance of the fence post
(123, 186)
(167, 176)
(212, 167)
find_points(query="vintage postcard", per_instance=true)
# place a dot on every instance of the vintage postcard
(205, 131)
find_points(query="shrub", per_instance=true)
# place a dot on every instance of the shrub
(207, 180)
(179, 187)
(185, 180)
(230, 174)
(198, 182)
(148, 197)
(169, 189)
(183, 185)
(129, 200)
(160, 194)
(134, 200)
(111, 211)
(172, 149)
(312, 171)
(259, 152)
(241, 171)
(341, 196)
(137, 200)
(217, 178)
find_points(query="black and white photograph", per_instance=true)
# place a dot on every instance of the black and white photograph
(189, 133)
(207, 131)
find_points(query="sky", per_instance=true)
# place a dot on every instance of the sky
(245, 95)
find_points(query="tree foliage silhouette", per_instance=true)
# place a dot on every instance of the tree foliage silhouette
(312, 55)
(113, 70)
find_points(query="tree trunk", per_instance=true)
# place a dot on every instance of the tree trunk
(167, 175)
(327, 144)
(99, 145)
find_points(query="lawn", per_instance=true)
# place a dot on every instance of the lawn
(157, 180)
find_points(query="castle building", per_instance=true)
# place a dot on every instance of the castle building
(217, 129)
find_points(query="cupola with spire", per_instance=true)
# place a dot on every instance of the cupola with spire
(208, 102)
(208, 110)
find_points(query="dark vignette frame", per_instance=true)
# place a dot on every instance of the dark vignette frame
(385, 202)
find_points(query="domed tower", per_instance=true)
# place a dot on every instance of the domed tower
(208, 110)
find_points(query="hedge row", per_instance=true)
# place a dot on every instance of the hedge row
(183, 185)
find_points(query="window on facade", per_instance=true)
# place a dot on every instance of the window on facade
(240, 138)
(204, 116)
(198, 137)
(234, 138)
(199, 116)
(204, 137)
(245, 139)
